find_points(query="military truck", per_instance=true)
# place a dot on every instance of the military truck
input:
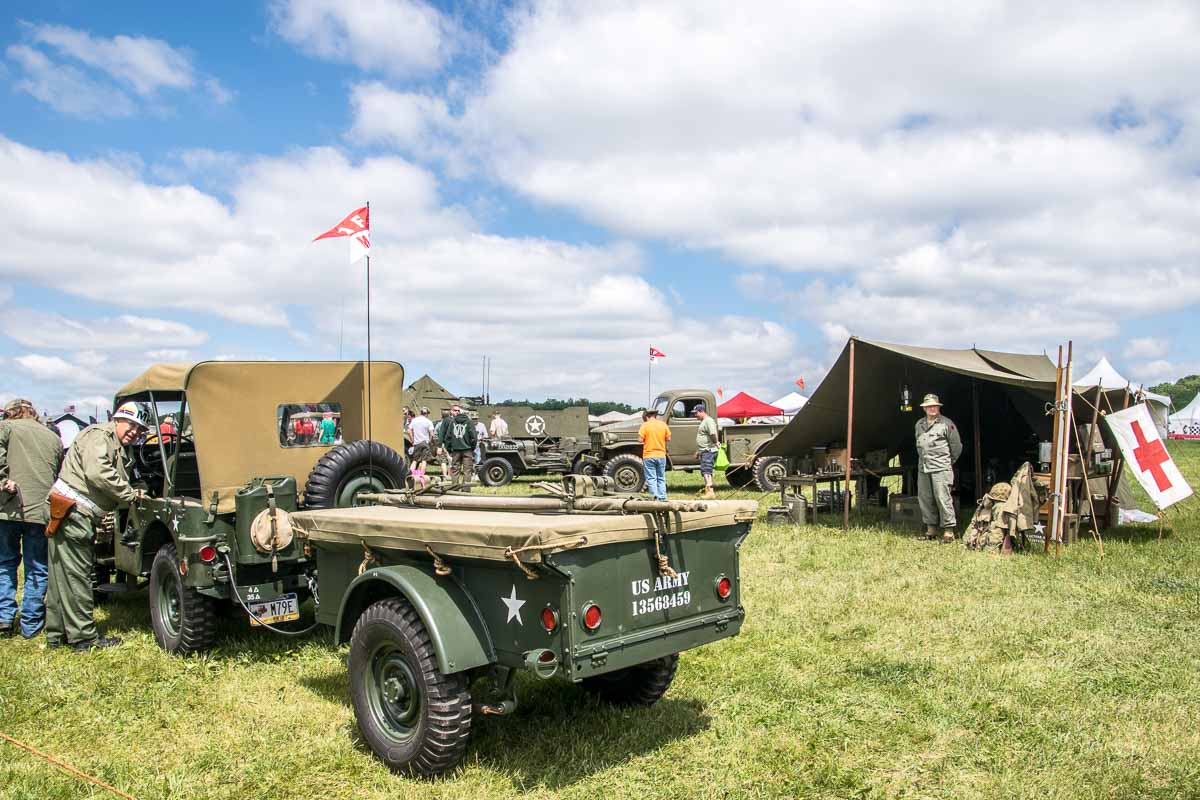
(219, 484)
(617, 453)
(436, 592)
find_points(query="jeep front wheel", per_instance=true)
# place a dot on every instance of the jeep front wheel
(627, 472)
(184, 621)
(413, 717)
(639, 685)
(496, 471)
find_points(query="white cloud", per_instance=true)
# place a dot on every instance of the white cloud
(1146, 347)
(57, 371)
(53, 331)
(398, 37)
(116, 66)
(900, 152)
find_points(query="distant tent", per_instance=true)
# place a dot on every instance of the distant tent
(614, 416)
(742, 405)
(791, 403)
(425, 391)
(1185, 424)
(1106, 375)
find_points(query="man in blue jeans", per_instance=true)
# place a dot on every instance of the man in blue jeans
(30, 455)
(654, 435)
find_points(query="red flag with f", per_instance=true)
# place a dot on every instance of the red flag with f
(655, 354)
(356, 225)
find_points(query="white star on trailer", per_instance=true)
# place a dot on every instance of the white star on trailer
(513, 605)
(1039, 529)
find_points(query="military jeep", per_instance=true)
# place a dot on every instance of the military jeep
(235, 447)
(445, 597)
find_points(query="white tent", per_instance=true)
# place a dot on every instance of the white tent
(791, 403)
(1185, 424)
(1106, 375)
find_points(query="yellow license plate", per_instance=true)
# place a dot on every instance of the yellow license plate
(284, 608)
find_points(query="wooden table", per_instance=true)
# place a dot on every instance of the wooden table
(858, 475)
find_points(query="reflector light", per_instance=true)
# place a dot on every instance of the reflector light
(208, 553)
(724, 588)
(546, 657)
(591, 617)
(549, 619)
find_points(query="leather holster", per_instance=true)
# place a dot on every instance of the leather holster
(60, 509)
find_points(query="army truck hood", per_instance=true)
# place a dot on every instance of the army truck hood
(496, 535)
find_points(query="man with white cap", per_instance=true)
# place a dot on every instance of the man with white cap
(92, 482)
(938, 447)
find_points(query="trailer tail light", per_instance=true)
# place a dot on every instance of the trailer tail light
(591, 616)
(208, 554)
(724, 587)
(549, 619)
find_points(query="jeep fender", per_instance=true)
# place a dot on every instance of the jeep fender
(447, 611)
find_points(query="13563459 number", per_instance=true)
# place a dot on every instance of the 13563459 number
(662, 602)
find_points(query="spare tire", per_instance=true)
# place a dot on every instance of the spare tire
(351, 469)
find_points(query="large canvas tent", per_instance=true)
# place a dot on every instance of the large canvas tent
(1011, 391)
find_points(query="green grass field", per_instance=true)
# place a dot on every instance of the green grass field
(871, 665)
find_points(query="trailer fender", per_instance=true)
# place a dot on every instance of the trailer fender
(455, 627)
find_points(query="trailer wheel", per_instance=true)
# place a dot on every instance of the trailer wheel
(351, 469)
(496, 471)
(414, 718)
(740, 477)
(584, 467)
(184, 621)
(768, 473)
(639, 685)
(627, 472)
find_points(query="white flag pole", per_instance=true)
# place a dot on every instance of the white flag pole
(370, 466)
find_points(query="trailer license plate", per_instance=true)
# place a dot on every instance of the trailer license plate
(282, 609)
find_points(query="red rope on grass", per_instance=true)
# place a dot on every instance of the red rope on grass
(67, 767)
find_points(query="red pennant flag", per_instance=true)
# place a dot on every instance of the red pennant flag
(656, 354)
(720, 391)
(356, 225)
(800, 381)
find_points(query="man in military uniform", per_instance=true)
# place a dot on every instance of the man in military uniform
(938, 447)
(93, 481)
(30, 455)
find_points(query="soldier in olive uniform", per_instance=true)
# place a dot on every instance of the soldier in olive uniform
(938, 447)
(30, 455)
(94, 476)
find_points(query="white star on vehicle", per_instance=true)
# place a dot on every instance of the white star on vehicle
(1039, 529)
(513, 605)
(535, 425)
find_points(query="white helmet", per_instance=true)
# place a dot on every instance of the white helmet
(134, 412)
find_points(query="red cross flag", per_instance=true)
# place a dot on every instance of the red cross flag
(1147, 456)
(356, 225)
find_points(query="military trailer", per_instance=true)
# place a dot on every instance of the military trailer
(617, 453)
(222, 479)
(435, 591)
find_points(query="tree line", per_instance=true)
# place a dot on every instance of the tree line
(595, 407)
(1181, 391)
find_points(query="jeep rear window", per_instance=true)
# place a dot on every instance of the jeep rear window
(309, 424)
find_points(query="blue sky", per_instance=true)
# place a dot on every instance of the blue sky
(561, 185)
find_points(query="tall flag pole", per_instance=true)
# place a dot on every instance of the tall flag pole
(654, 354)
(357, 226)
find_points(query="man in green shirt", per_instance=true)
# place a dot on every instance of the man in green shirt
(95, 479)
(30, 455)
(707, 444)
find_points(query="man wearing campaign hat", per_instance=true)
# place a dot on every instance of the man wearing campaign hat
(93, 481)
(30, 455)
(938, 447)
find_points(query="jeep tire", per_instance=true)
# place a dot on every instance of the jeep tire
(627, 472)
(639, 685)
(768, 472)
(350, 469)
(496, 471)
(184, 621)
(414, 718)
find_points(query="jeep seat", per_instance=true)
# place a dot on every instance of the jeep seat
(187, 473)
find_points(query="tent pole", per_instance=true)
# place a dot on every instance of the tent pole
(975, 426)
(849, 444)
(1088, 490)
(1118, 462)
(1052, 516)
(1068, 423)
(1090, 439)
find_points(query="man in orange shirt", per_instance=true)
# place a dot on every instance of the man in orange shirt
(654, 435)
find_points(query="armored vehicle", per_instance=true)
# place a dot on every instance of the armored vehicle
(245, 443)
(616, 452)
(435, 591)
